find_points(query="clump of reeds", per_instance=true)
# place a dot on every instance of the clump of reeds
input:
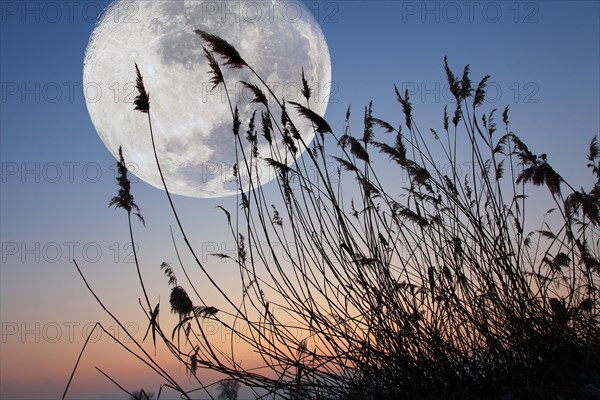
(437, 286)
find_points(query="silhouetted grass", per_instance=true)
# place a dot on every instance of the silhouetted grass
(436, 287)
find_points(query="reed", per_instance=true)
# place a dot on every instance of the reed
(437, 287)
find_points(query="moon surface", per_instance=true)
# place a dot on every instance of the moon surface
(192, 123)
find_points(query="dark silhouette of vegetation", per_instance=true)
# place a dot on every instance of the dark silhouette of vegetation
(141, 395)
(421, 283)
(125, 201)
(229, 389)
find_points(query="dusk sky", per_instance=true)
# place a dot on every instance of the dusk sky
(57, 176)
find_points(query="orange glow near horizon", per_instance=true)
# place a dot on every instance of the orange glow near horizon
(41, 357)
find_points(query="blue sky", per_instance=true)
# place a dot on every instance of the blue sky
(57, 176)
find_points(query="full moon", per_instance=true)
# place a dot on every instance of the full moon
(191, 121)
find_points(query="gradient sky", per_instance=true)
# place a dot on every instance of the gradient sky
(57, 176)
